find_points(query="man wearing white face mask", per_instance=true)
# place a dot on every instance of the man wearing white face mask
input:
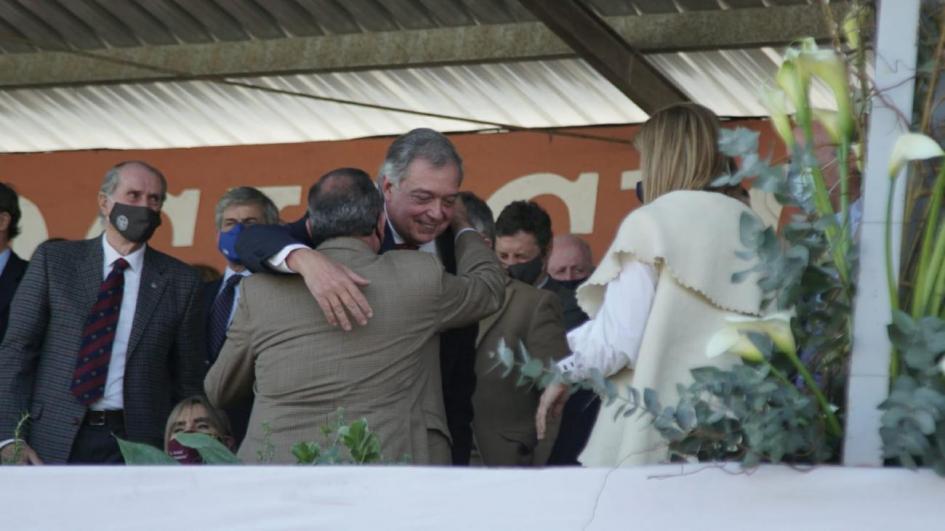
(239, 208)
(104, 335)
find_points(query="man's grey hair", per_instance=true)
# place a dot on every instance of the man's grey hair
(113, 177)
(480, 215)
(345, 203)
(247, 195)
(422, 143)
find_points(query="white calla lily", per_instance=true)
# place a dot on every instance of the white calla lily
(729, 340)
(794, 84)
(830, 68)
(776, 102)
(912, 146)
(777, 326)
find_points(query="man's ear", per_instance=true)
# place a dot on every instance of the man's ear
(103, 205)
(381, 225)
(308, 226)
(5, 219)
(386, 186)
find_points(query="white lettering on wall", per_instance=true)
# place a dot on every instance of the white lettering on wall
(629, 179)
(579, 196)
(33, 227)
(283, 196)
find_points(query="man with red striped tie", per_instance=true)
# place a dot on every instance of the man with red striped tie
(104, 335)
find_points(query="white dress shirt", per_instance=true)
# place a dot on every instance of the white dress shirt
(236, 293)
(611, 340)
(114, 384)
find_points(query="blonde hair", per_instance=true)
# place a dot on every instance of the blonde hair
(216, 417)
(678, 148)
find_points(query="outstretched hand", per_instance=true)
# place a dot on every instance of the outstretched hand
(336, 289)
(27, 455)
(552, 401)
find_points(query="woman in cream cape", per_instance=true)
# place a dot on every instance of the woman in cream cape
(663, 288)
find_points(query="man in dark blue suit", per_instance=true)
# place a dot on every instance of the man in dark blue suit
(238, 209)
(12, 267)
(420, 180)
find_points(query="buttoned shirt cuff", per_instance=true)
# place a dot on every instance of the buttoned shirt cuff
(569, 365)
(277, 261)
(461, 231)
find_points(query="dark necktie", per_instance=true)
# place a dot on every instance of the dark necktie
(91, 368)
(220, 316)
(405, 247)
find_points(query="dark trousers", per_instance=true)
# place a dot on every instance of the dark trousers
(97, 444)
(577, 421)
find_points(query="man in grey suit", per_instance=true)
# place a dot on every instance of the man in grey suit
(303, 368)
(104, 335)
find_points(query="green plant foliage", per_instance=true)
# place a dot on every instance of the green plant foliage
(143, 454)
(913, 421)
(342, 443)
(211, 450)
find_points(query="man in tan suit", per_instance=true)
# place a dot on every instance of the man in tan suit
(303, 369)
(504, 420)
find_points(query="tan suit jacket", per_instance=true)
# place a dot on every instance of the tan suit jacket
(302, 369)
(504, 421)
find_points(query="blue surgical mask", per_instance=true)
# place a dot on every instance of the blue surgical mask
(227, 243)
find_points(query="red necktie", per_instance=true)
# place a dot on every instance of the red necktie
(91, 368)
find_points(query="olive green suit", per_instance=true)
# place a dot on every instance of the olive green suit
(504, 414)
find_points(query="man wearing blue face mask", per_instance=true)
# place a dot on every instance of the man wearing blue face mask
(239, 208)
(104, 335)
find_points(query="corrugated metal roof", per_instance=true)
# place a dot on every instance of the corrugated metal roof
(99, 24)
(537, 94)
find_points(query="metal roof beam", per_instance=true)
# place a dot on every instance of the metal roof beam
(604, 49)
(698, 30)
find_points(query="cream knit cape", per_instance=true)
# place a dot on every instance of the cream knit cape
(691, 239)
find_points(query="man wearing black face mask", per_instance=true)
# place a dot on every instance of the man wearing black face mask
(104, 335)
(239, 208)
(523, 245)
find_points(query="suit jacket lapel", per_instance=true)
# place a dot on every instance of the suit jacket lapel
(388, 243)
(486, 324)
(150, 290)
(90, 272)
(11, 276)
(446, 250)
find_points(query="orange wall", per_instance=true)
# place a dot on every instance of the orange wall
(63, 185)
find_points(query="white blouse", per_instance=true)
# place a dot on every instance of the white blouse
(611, 341)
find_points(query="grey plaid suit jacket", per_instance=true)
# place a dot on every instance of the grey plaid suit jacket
(47, 318)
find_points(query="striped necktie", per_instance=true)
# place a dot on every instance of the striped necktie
(220, 316)
(91, 368)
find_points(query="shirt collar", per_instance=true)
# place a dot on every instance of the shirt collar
(228, 272)
(429, 247)
(135, 260)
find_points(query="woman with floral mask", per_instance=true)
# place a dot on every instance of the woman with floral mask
(663, 288)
